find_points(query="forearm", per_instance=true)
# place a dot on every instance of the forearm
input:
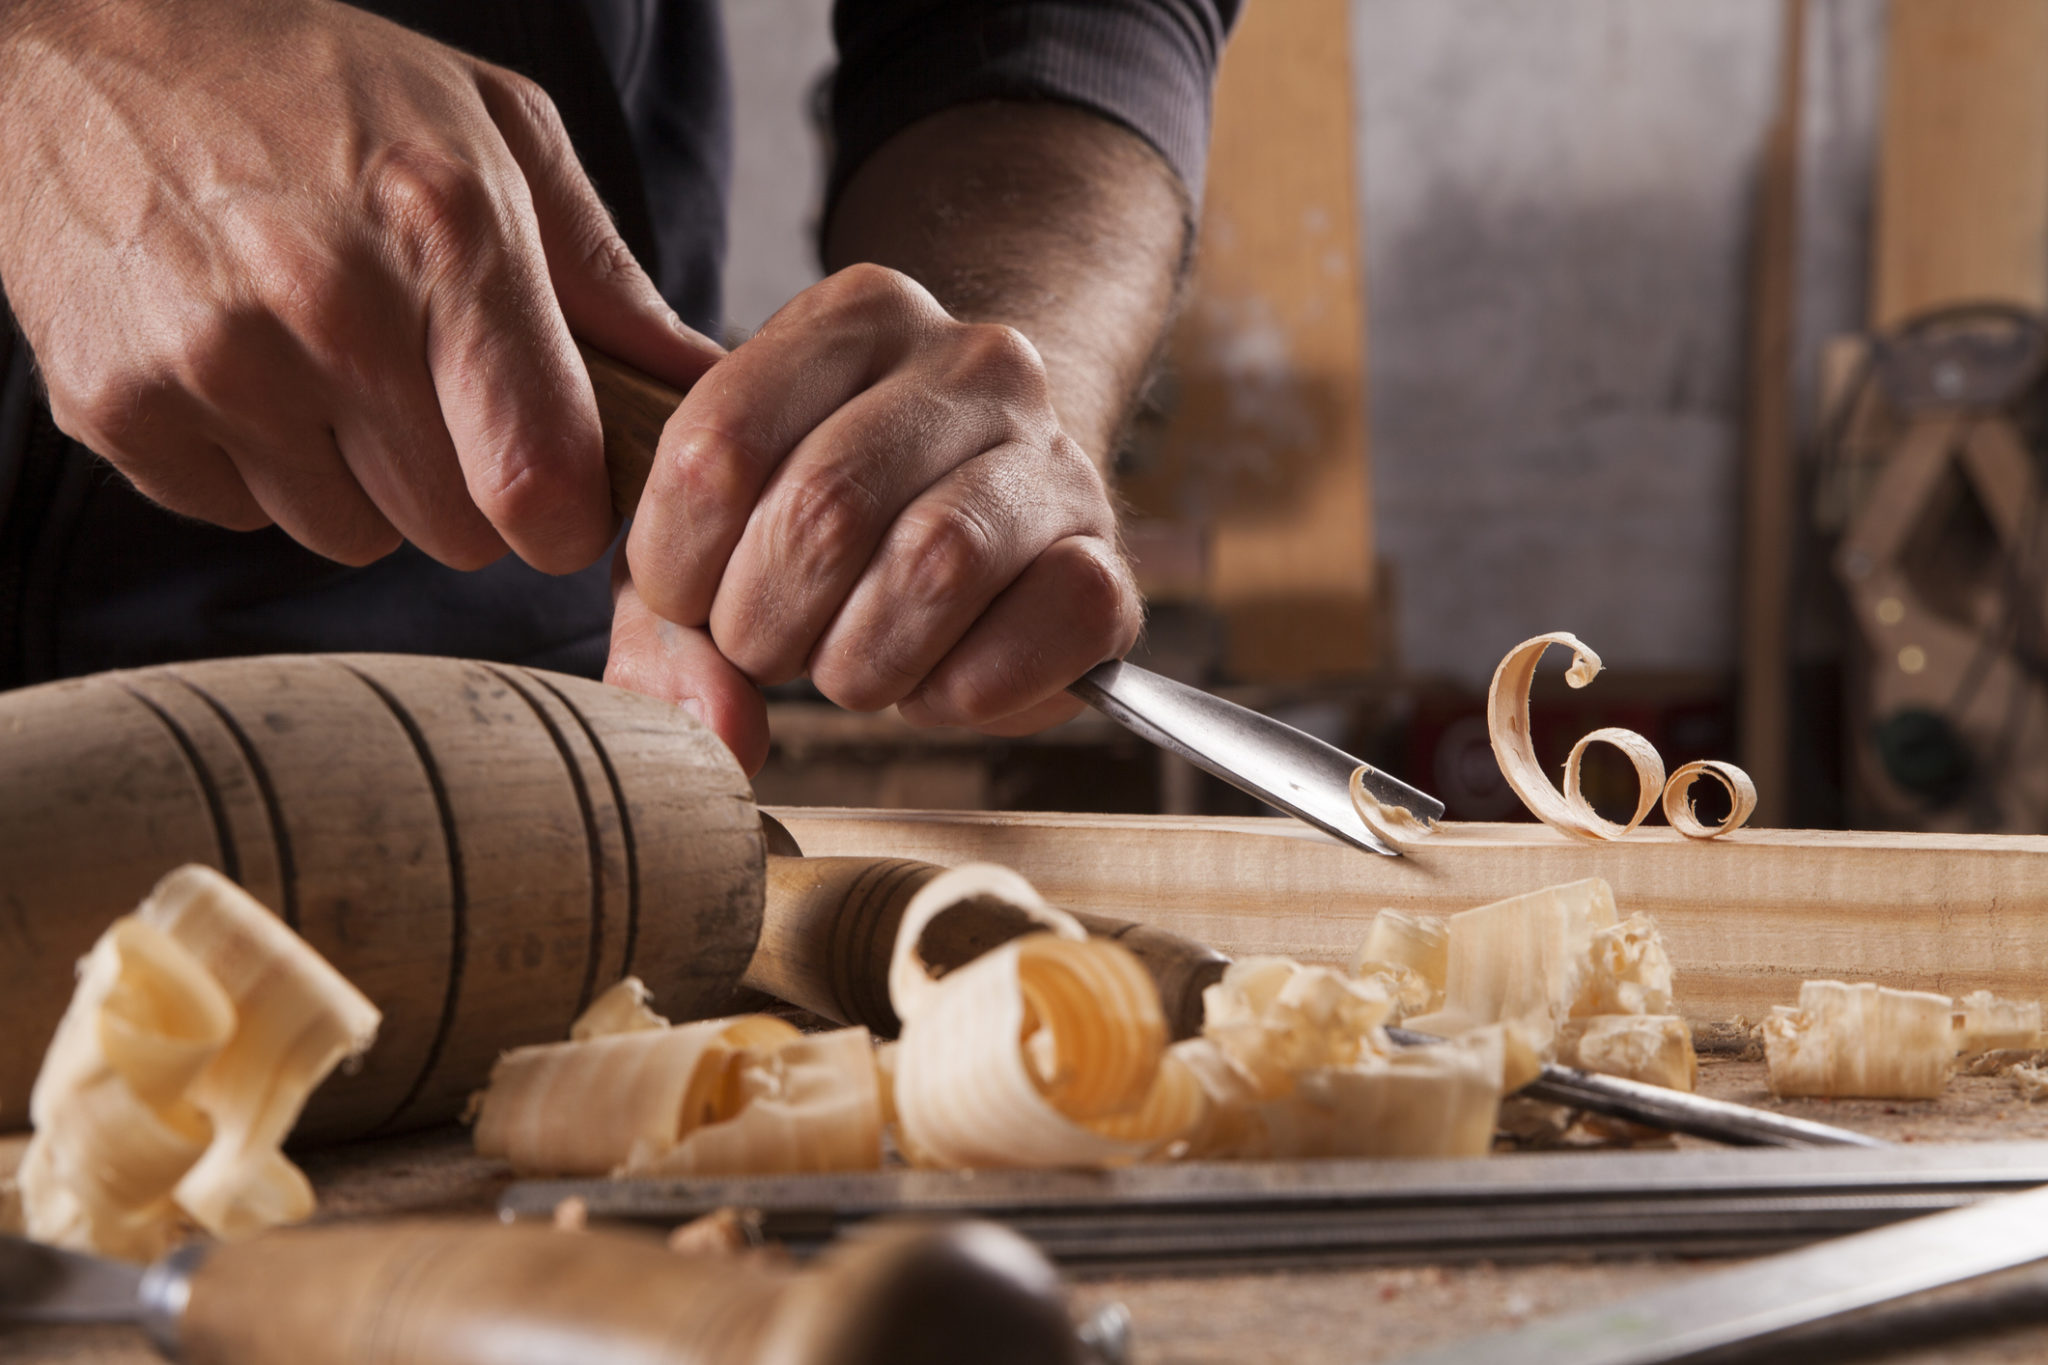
(1042, 216)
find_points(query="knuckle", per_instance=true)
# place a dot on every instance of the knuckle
(946, 553)
(438, 204)
(97, 409)
(977, 699)
(867, 290)
(604, 255)
(521, 492)
(993, 353)
(357, 541)
(1100, 603)
(220, 353)
(865, 680)
(825, 514)
(530, 99)
(706, 473)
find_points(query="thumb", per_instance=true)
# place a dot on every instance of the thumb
(605, 295)
(681, 665)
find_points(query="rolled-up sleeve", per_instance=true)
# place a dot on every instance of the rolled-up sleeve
(1149, 65)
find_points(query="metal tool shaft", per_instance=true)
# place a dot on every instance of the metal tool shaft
(1675, 1111)
(1766, 1297)
(1282, 766)
(1225, 1215)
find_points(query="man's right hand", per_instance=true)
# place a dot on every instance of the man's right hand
(283, 261)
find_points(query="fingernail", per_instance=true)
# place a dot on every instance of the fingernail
(694, 707)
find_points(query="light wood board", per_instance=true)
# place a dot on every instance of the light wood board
(1962, 211)
(1769, 482)
(1747, 918)
(1267, 446)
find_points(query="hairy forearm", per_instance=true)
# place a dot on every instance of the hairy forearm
(1042, 216)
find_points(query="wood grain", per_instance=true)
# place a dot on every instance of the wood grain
(477, 847)
(1747, 917)
(1962, 211)
(1769, 478)
(632, 408)
(451, 1293)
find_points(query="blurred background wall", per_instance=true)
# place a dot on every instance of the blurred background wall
(1512, 393)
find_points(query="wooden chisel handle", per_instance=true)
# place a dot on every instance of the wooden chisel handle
(451, 1293)
(830, 925)
(632, 408)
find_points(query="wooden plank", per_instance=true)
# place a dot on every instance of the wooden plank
(1267, 445)
(1747, 917)
(1769, 493)
(1962, 211)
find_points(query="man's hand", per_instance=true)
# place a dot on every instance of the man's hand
(876, 495)
(282, 261)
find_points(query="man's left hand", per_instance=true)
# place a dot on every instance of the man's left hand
(881, 497)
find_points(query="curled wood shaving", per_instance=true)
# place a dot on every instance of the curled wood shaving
(622, 1009)
(1642, 756)
(1631, 971)
(1396, 824)
(1655, 1049)
(1988, 1023)
(200, 1025)
(1411, 952)
(1044, 1051)
(1541, 966)
(1507, 726)
(1527, 962)
(721, 1097)
(812, 1104)
(1293, 1063)
(1864, 1041)
(1678, 808)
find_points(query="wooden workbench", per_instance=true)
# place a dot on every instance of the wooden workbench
(1305, 1317)
(1746, 919)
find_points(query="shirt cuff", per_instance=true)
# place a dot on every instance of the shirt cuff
(1149, 65)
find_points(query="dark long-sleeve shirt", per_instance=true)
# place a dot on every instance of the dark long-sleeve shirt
(94, 576)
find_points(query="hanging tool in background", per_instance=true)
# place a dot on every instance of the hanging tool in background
(1930, 480)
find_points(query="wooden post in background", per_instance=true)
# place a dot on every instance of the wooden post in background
(1962, 195)
(1769, 487)
(1266, 450)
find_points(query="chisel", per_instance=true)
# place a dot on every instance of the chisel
(1752, 1303)
(1289, 770)
(1247, 1215)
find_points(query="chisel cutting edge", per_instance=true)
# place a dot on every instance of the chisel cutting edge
(1282, 766)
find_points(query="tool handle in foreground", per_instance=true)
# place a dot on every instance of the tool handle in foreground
(632, 408)
(450, 1293)
(830, 926)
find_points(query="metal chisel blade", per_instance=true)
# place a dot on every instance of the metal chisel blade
(1275, 762)
(1675, 1111)
(1761, 1299)
(1220, 1215)
(46, 1284)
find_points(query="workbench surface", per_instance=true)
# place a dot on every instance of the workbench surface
(1324, 1317)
